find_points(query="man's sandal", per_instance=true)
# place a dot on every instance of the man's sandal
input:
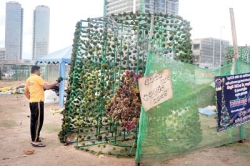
(38, 141)
(38, 145)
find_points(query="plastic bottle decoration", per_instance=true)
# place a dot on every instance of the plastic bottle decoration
(103, 49)
(126, 103)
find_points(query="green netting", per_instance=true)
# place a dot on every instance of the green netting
(18, 72)
(243, 52)
(15, 72)
(103, 106)
(175, 127)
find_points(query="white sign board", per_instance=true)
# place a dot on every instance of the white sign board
(155, 89)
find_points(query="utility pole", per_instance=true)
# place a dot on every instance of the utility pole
(234, 66)
(236, 55)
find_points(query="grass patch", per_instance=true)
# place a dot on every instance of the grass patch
(7, 123)
(235, 144)
(240, 148)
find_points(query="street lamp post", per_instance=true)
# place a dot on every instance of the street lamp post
(213, 53)
(220, 42)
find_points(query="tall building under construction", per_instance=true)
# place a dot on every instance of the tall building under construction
(143, 6)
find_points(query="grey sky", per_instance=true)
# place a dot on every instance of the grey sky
(63, 18)
(206, 18)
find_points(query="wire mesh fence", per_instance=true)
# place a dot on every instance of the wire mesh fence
(18, 72)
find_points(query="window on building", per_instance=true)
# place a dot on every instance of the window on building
(196, 58)
(196, 46)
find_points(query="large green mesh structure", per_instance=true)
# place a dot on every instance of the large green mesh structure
(175, 127)
(100, 110)
(96, 116)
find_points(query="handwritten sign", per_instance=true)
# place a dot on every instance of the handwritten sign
(155, 89)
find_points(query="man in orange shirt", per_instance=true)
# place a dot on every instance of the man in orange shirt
(34, 91)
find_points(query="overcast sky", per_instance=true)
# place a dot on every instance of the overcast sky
(208, 18)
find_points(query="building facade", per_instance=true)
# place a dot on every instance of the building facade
(209, 52)
(144, 6)
(13, 31)
(2, 55)
(41, 24)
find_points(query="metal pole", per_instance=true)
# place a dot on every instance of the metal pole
(151, 32)
(220, 52)
(220, 42)
(105, 8)
(142, 6)
(213, 53)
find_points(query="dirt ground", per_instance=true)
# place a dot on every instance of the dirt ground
(15, 137)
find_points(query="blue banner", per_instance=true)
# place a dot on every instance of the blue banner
(233, 100)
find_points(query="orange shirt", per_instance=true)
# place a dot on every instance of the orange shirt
(35, 86)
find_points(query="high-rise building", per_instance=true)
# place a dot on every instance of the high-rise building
(209, 52)
(144, 6)
(41, 22)
(13, 31)
(2, 54)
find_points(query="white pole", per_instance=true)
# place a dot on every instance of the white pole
(134, 7)
(151, 31)
(233, 29)
(235, 44)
